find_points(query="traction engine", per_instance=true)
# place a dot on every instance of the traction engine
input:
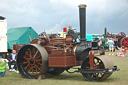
(54, 55)
(120, 39)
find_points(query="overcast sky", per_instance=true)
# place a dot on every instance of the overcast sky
(53, 15)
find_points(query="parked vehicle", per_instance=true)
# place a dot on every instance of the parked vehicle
(3, 37)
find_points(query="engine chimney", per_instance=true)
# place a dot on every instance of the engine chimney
(82, 16)
(105, 32)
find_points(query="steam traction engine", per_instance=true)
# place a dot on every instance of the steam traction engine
(54, 55)
(119, 39)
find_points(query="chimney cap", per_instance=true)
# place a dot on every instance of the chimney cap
(82, 6)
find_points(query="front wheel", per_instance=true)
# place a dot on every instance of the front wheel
(100, 62)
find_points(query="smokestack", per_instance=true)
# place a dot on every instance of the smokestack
(105, 32)
(82, 16)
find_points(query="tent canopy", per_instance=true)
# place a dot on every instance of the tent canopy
(20, 35)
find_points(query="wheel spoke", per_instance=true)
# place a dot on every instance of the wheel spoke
(38, 60)
(26, 53)
(30, 52)
(25, 58)
(33, 50)
(35, 53)
(36, 71)
(26, 67)
(30, 69)
(38, 63)
(25, 62)
(38, 67)
(96, 74)
(37, 57)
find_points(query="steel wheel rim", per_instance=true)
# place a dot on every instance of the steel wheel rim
(30, 61)
(32, 65)
(98, 64)
(94, 76)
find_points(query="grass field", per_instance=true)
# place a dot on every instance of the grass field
(117, 78)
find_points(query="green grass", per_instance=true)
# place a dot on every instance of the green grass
(117, 78)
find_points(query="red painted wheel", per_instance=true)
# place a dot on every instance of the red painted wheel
(32, 61)
(124, 42)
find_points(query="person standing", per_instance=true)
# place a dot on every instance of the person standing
(111, 46)
(12, 60)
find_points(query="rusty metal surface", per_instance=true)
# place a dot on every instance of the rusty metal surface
(35, 41)
(92, 55)
(107, 63)
(61, 60)
(68, 39)
(106, 60)
(59, 41)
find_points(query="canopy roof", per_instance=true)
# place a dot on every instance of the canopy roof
(20, 35)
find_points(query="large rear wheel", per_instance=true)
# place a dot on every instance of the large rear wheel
(100, 62)
(123, 42)
(32, 61)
